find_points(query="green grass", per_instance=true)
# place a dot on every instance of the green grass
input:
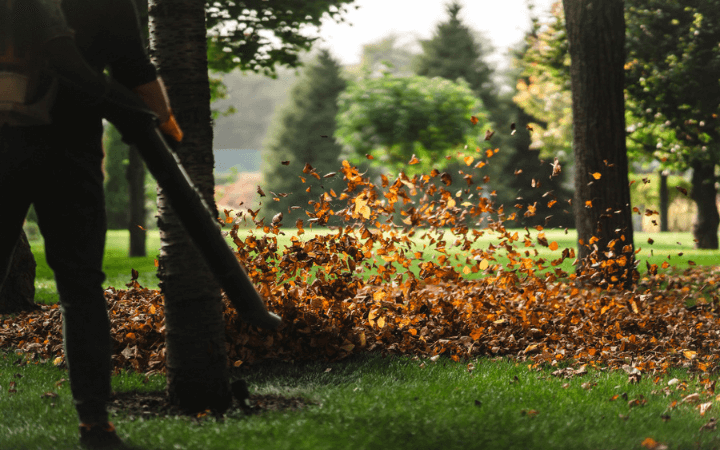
(376, 403)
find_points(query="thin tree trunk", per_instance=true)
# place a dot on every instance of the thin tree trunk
(664, 202)
(138, 213)
(18, 292)
(194, 328)
(705, 227)
(596, 36)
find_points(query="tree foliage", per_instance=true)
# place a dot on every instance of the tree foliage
(394, 119)
(453, 52)
(302, 137)
(672, 75)
(259, 35)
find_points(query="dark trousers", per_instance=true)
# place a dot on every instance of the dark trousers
(62, 177)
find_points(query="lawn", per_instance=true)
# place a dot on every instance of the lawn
(372, 402)
(369, 401)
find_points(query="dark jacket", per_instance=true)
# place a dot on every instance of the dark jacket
(108, 34)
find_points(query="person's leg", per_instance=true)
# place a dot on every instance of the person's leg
(71, 217)
(14, 200)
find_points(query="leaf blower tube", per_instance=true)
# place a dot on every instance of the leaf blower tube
(139, 126)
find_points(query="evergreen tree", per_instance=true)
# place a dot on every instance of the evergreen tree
(301, 137)
(453, 52)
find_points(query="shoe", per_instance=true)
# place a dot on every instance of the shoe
(100, 436)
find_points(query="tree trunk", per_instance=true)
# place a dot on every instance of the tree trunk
(136, 186)
(596, 36)
(664, 202)
(705, 227)
(194, 329)
(18, 292)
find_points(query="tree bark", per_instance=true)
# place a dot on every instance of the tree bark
(138, 213)
(196, 359)
(596, 36)
(18, 292)
(705, 227)
(664, 202)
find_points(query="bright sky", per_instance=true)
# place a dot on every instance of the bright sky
(503, 21)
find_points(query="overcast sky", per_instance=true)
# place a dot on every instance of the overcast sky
(503, 21)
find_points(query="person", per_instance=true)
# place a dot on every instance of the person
(57, 167)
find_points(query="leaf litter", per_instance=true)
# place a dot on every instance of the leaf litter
(401, 268)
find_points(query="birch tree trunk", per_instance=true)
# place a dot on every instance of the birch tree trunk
(196, 358)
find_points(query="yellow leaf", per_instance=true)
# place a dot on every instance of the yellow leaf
(484, 264)
(596, 175)
(689, 354)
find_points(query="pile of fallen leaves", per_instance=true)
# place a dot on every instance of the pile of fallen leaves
(406, 273)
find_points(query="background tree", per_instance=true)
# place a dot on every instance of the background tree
(672, 80)
(665, 47)
(115, 165)
(596, 38)
(457, 51)
(453, 52)
(303, 133)
(394, 118)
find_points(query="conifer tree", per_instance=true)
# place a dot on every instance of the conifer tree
(302, 137)
(454, 52)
